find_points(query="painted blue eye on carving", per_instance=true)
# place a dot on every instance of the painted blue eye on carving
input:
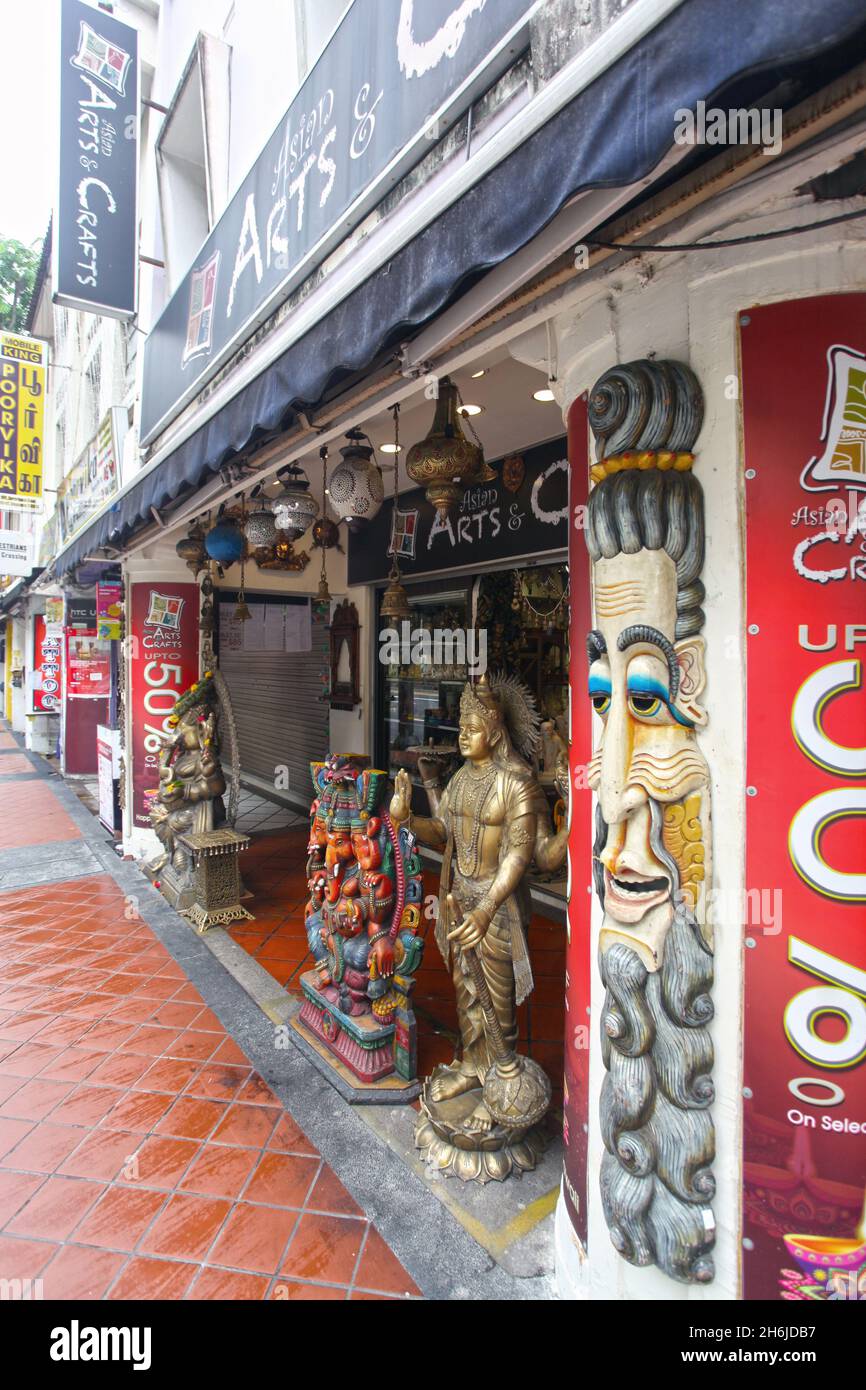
(599, 694)
(647, 698)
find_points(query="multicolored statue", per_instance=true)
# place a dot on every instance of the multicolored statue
(480, 1115)
(362, 922)
(645, 535)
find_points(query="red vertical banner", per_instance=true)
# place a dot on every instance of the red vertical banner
(163, 647)
(804, 1131)
(578, 955)
(47, 667)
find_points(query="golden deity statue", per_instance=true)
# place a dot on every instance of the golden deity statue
(490, 822)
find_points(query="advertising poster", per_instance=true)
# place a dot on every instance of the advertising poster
(23, 364)
(88, 666)
(109, 610)
(94, 478)
(578, 958)
(804, 429)
(163, 646)
(107, 772)
(47, 674)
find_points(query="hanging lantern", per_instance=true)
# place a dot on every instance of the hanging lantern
(225, 542)
(445, 459)
(191, 548)
(293, 506)
(395, 604)
(261, 525)
(356, 491)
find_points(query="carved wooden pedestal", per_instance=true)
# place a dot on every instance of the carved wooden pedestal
(216, 877)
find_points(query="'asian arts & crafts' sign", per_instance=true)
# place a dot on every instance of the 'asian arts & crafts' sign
(95, 225)
(804, 1068)
(391, 80)
(163, 651)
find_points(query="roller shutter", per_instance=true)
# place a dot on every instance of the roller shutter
(281, 719)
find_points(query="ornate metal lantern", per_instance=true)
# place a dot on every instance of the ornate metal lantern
(261, 525)
(356, 490)
(191, 548)
(293, 506)
(445, 459)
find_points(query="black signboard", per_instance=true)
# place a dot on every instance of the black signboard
(95, 224)
(391, 79)
(81, 613)
(525, 512)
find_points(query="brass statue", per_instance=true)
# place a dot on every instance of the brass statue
(480, 1114)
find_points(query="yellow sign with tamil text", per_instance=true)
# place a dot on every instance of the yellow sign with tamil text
(23, 363)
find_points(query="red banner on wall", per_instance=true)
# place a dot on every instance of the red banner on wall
(88, 666)
(164, 640)
(804, 422)
(578, 956)
(47, 667)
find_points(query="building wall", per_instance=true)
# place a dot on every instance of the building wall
(685, 307)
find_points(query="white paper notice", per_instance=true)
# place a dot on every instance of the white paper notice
(231, 633)
(299, 632)
(254, 629)
(274, 627)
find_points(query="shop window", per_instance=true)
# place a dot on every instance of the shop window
(192, 155)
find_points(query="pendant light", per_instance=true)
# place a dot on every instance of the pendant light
(242, 613)
(356, 491)
(293, 506)
(395, 604)
(261, 526)
(445, 459)
(323, 594)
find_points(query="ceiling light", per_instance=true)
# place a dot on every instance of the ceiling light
(390, 448)
(544, 395)
(482, 372)
(469, 409)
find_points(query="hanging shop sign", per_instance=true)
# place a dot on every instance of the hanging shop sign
(80, 613)
(804, 1134)
(95, 224)
(47, 663)
(88, 666)
(23, 363)
(392, 79)
(524, 512)
(163, 656)
(16, 552)
(579, 953)
(109, 609)
(94, 477)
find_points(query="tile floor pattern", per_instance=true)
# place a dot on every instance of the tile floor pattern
(141, 1156)
(273, 869)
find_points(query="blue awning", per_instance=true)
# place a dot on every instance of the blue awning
(610, 136)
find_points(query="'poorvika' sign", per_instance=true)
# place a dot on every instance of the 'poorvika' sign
(393, 74)
(95, 224)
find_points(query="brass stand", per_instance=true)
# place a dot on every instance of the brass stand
(216, 877)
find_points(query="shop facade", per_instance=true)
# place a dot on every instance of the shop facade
(662, 364)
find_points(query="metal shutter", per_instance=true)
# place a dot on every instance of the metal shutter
(281, 718)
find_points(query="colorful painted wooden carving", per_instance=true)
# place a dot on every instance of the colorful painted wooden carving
(362, 919)
(645, 535)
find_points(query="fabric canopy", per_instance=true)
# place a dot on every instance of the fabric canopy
(612, 135)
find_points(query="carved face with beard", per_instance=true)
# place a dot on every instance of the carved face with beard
(645, 535)
(645, 686)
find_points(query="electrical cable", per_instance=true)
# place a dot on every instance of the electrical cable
(728, 241)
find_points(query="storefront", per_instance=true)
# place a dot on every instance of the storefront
(688, 1181)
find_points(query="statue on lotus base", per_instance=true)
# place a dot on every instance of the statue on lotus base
(481, 1114)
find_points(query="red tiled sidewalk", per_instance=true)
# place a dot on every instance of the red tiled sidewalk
(141, 1156)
